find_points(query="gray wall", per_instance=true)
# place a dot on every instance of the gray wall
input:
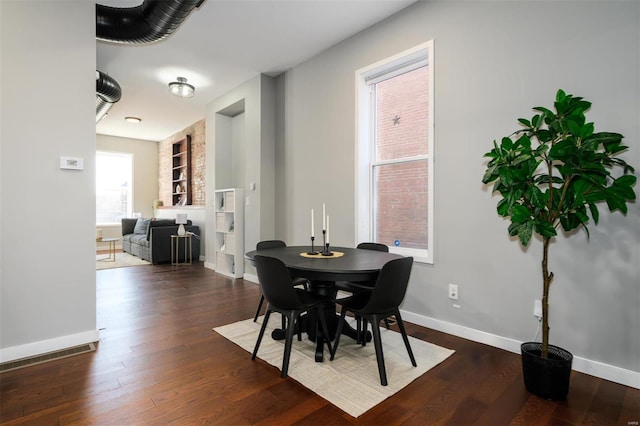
(494, 61)
(47, 296)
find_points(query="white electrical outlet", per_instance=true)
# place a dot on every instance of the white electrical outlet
(453, 291)
(537, 308)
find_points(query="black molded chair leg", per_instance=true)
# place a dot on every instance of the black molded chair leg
(288, 343)
(264, 326)
(255, 318)
(405, 338)
(377, 342)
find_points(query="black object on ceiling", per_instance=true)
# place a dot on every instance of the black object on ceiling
(108, 92)
(151, 21)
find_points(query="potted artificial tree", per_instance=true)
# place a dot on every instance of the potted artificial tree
(553, 174)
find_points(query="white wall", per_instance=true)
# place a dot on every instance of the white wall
(494, 60)
(145, 168)
(257, 97)
(47, 298)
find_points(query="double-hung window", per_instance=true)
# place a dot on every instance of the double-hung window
(395, 153)
(113, 186)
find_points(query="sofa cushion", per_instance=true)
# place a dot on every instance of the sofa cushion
(127, 237)
(140, 239)
(142, 225)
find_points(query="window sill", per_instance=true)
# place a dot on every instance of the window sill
(419, 256)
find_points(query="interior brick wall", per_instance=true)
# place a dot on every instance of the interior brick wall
(197, 133)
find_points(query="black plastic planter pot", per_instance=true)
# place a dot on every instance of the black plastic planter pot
(546, 377)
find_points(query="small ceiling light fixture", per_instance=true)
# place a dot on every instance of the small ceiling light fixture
(133, 119)
(182, 88)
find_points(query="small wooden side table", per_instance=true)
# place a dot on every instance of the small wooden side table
(112, 248)
(175, 249)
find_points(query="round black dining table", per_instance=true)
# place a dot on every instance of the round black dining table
(322, 272)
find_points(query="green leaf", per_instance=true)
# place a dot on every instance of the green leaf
(615, 203)
(524, 122)
(507, 144)
(523, 231)
(535, 120)
(545, 229)
(563, 149)
(544, 135)
(536, 197)
(490, 175)
(570, 221)
(520, 213)
(503, 207)
(580, 186)
(574, 128)
(626, 180)
(524, 142)
(587, 130)
(543, 110)
(595, 214)
(521, 159)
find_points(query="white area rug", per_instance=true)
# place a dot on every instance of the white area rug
(122, 259)
(351, 381)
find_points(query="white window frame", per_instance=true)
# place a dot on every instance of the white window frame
(129, 212)
(365, 113)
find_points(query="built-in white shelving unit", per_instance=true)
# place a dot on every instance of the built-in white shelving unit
(229, 239)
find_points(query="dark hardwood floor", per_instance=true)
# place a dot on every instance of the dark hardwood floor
(159, 362)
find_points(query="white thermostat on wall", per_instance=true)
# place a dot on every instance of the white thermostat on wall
(71, 163)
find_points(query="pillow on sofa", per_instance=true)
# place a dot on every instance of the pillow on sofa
(128, 225)
(141, 226)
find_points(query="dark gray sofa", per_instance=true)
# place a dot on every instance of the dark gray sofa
(150, 239)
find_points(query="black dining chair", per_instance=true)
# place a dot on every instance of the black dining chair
(384, 301)
(355, 287)
(267, 244)
(291, 302)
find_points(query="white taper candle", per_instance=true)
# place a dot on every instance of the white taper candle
(327, 229)
(324, 220)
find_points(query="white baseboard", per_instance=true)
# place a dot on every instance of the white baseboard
(250, 277)
(583, 365)
(210, 265)
(29, 350)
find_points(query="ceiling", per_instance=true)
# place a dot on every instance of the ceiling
(218, 47)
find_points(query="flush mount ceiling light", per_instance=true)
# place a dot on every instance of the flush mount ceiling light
(133, 119)
(182, 88)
